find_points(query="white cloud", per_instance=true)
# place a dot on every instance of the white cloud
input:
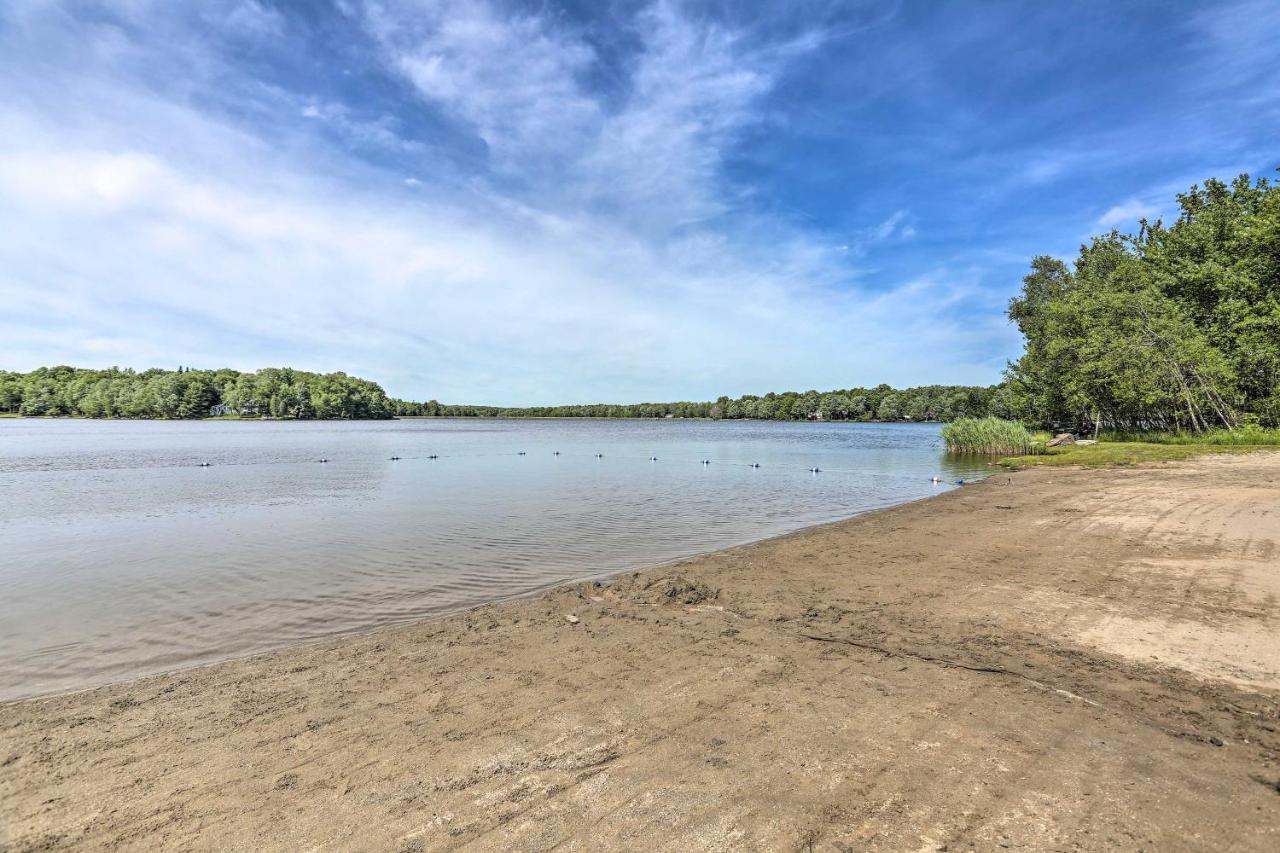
(894, 226)
(512, 77)
(1043, 170)
(247, 17)
(1237, 40)
(380, 132)
(1127, 213)
(651, 156)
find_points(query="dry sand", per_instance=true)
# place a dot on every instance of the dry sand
(1067, 660)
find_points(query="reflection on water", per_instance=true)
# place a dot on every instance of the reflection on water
(120, 555)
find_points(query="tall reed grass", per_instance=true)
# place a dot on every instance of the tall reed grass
(990, 436)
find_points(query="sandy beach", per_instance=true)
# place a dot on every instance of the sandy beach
(1050, 660)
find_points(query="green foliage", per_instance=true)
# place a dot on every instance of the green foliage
(990, 436)
(187, 393)
(434, 409)
(1175, 329)
(926, 403)
(287, 393)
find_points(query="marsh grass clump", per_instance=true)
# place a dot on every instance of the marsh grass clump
(988, 436)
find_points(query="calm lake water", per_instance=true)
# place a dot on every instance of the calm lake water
(120, 556)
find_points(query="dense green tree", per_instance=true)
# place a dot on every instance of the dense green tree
(890, 408)
(191, 393)
(1177, 327)
(10, 391)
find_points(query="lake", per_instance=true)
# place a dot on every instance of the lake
(120, 555)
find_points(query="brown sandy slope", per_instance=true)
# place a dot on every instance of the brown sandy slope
(1073, 660)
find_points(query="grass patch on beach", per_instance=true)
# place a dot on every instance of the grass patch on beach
(988, 436)
(1107, 454)
(1247, 436)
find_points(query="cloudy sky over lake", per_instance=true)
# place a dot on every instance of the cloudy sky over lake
(495, 202)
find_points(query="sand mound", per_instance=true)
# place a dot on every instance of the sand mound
(672, 589)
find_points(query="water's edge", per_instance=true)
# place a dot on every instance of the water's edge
(450, 613)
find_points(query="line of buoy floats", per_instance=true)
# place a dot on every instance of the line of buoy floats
(705, 462)
(812, 469)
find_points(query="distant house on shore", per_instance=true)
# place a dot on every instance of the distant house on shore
(220, 410)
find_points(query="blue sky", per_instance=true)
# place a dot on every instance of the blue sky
(498, 202)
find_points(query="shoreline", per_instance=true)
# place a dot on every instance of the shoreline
(274, 419)
(416, 621)
(1085, 658)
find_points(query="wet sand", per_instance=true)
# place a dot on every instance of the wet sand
(1056, 660)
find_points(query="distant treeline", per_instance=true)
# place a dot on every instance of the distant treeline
(287, 393)
(881, 403)
(434, 409)
(187, 393)
(1176, 328)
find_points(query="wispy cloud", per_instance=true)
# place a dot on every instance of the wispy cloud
(514, 78)
(651, 154)
(1239, 48)
(896, 226)
(1127, 213)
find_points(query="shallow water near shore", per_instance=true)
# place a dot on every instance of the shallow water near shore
(121, 556)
